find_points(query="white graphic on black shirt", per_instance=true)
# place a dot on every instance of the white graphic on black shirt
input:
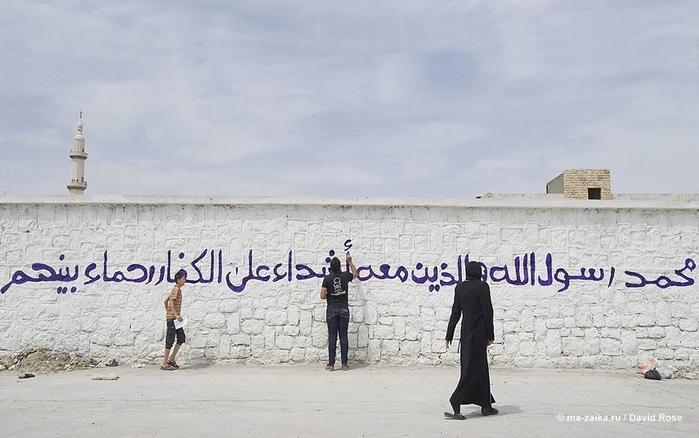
(337, 287)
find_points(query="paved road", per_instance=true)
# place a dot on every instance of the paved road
(370, 401)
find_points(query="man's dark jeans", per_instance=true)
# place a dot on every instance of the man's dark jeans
(338, 321)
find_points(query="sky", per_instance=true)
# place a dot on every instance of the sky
(395, 98)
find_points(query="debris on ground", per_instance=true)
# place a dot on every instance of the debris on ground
(113, 363)
(651, 366)
(111, 376)
(667, 374)
(42, 360)
(647, 365)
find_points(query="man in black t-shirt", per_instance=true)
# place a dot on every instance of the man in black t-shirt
(334, 289)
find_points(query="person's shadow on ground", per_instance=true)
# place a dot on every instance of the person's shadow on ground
(503, 410)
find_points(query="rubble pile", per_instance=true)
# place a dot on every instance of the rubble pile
(41, 360)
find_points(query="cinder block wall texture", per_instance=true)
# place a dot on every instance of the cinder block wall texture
(597, 284)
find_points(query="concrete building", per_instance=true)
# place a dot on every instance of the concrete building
(582, 184)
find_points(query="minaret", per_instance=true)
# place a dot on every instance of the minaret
(77, 162)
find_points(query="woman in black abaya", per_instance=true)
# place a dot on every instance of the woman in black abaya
(472, 303)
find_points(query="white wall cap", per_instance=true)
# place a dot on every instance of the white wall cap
(690, 202)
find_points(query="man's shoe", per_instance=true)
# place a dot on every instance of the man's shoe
(168, 367)
(173, 364)
(330, 367)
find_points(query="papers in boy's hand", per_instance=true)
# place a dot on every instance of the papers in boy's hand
(180, 324)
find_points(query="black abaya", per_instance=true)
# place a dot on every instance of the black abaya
(472, 303)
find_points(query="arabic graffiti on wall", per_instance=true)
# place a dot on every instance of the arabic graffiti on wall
(208, 267)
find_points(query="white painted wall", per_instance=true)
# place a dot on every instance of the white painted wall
(601, 323)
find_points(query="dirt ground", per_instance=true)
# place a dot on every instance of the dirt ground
(37, 360)
(372, 401)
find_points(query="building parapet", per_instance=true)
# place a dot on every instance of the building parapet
(619, 201)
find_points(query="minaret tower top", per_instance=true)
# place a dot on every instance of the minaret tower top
(78, 156)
